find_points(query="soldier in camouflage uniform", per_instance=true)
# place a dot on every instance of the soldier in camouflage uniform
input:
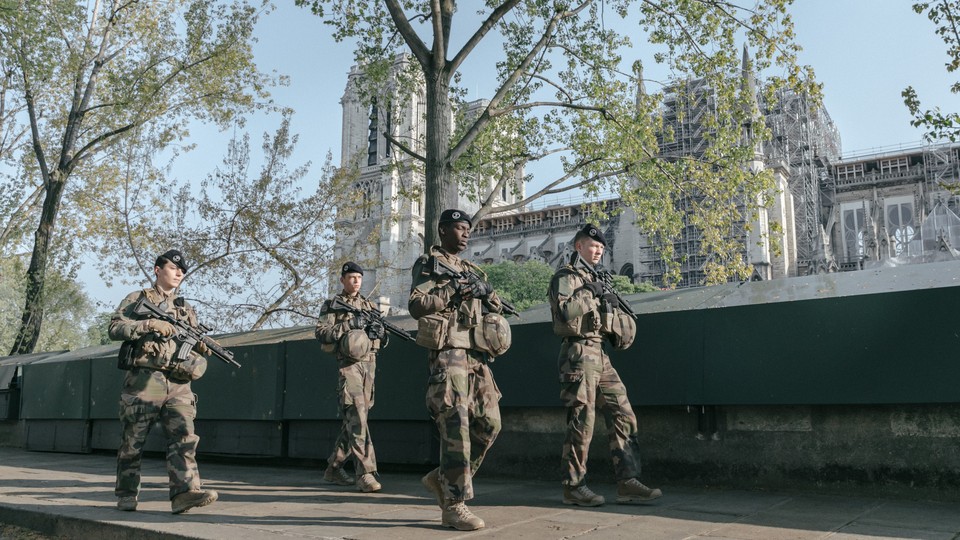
(157, 388)
(588, 381)
(335, 330)
(462, 396)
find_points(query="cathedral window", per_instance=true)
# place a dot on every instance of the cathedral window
(900, 224)
(853, 215)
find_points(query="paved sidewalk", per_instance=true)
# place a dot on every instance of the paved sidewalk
(71, 495)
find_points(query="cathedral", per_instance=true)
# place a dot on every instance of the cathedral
(838, 213)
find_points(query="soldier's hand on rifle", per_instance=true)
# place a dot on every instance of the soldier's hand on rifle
(375, 330)
(595, 287)
(356, 323)
(476, 287)
(163, 328)
(202, 348)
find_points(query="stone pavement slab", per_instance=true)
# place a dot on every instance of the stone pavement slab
(71, 495)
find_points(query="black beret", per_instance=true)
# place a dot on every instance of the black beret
(593, 232)
(349, 267)
(176, 258)
(452, 215)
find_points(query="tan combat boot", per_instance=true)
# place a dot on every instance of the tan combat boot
(338, 476)
(192, 499)
(431, 481)
(456, 515)
(127, 504)
(581, 496)
(633, 491)
(367, 483)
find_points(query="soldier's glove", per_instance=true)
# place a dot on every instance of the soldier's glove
(202, 348)
(595, 288)
(356, 323)
(477, 288)
(163, 328)
(375, 331)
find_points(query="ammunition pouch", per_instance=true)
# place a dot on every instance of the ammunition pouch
(588, 324)
(432, 331)
(151, 353)
(492, 335)
(354, 345)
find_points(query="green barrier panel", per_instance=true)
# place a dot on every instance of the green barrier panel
(106, 382)
(57, 390)
(869, 349)
(251, 392)
(312, 378)
(311, 382)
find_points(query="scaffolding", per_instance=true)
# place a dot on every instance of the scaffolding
(805, 139)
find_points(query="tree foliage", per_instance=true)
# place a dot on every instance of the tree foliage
(524, 285)
(95, 78)
(945, 15)
(566, 99)
(73, 319)
(258, 241)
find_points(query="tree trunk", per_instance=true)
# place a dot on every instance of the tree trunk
(439, 191)
(32, 318)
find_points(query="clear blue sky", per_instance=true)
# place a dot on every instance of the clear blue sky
(865, 52)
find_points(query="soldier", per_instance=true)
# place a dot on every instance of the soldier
(355, 342)
(462, 396)
(584, 315)
(157, 388)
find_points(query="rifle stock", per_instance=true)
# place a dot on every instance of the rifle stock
(371, 315)
(186, 336)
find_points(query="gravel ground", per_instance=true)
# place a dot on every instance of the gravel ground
(11, 532)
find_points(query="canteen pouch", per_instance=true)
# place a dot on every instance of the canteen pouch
(432, 331)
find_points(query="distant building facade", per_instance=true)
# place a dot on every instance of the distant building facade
(836, 214)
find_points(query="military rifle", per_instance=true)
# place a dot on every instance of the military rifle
(443, 269)
(184, 335)
(605, 278)
(371, 315)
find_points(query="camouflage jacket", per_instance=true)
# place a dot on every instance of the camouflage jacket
(151, 350)
(334, 324)
(430, 294)
(575, 310)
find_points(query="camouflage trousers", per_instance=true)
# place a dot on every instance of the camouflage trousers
(149, 396)
(463, 400)
(589, 382)
(356, 399)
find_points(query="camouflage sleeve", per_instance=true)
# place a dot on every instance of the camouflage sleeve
(426, 295)
(122, 326)
(329, 328)
(569, 298)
